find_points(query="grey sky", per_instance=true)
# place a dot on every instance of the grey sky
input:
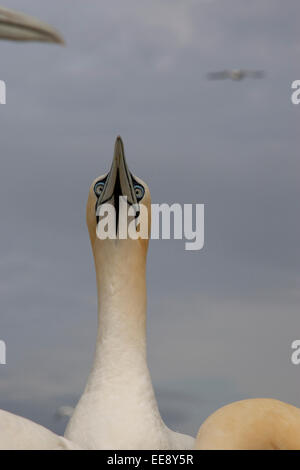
(221, 321)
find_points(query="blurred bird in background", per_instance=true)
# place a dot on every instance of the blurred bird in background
(20, 27)
(64, 412)
(236, 74)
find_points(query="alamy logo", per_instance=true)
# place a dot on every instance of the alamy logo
(2, 92)
(295, 357)
(295, 97)
(2, 352)
(178, 222)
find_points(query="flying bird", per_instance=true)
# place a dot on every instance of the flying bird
(236, 74)
(17, 26)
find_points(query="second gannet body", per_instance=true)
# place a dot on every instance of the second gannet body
(254, 424)
(118, 409)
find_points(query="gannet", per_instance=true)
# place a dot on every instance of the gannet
(17, 26)
(16, 432)
(254, 424)
(236, 74)
(118, 408)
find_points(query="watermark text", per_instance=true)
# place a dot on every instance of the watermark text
(2, 92)
(2, 352)
(176, 221)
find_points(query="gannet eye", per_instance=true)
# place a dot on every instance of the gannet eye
(98, 188)
(139, 191)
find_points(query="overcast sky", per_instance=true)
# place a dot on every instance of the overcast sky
(220, 321)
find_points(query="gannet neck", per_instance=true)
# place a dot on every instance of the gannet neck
(118, 409)
(121, 286)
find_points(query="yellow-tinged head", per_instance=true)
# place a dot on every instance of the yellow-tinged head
(119, 204)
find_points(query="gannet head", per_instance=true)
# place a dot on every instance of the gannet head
(126, 196)
(20, 27)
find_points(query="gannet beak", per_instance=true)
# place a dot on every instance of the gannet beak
(119, 179)
(118, 185)
(20, 27)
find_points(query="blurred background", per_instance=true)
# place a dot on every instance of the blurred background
(220, 321)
